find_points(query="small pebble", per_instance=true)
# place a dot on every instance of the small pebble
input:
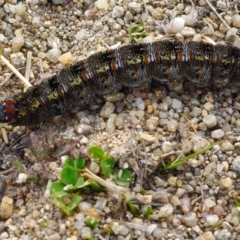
(210, 120)
(152, 123)
(140, 103)
(165, 211)
(176, 104)
(195, 112)
(226, 182)
(217, 134)
(6, 207)
(18, 59)
(117, 12)
(219, 210)
(199, 143)
(227, 146)
(4, 235)
(137, 7)
(236, 20)
(107, 110)
(22, 178)
(208, 106)
(53, 55)
(177, 25)
(17, 44)
(236, 164)
(172, 125)
(186, 145)
(102, 4)
(110, 123)
(212, 219)
(148, 138)
(166, 146)
(190, 219)
(84, 129)
(66, 58)
(80, 35)
(209, 203)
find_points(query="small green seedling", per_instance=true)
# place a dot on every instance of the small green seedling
(236, 202)
(147, 210)
(132, 208)
(136, 30)
(70, 181)
(17, 164)
(122, 177)
(92, 223)
(91, 238)
(180, 161)
(106, 161)
(109, 230)
(66, 192)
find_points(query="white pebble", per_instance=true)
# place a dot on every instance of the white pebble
(166, 210)
(140, 103)
(152, 123)
(117, 12)
(110, 123)
(236, 164)
(177, 25)
(208, 202)
(94, 167)
(148, 138)
(107, 110)
(22, 178)
(66, 58)
(199, 143)
(17, 44)
(190, 219)
(80, 35)
(102, 4)
(2, 37)
(212, 219)
(227, 182)
(166, 147)
(136, 116)
(210, 120)
(116, 227)
(86, 233)
(172, 125)
(236, 20)
(62, 228)
(53, 55)
(186, 145)
(148, 39)
(18, 59)
(84, 140)
(196, 112)
(227, 146)
(4, 235)
(208, 106)
(137, 7)
(158, 233)
(188, 32)
(217, 134)
(84, 206)
(176, 104)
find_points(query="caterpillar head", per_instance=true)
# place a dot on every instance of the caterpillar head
(8, 111)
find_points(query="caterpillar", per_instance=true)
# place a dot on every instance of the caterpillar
(136, 65)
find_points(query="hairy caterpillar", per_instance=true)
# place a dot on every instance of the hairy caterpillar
(137, 65)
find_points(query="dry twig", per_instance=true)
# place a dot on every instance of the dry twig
(21, 77)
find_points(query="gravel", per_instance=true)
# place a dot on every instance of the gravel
(140, 129)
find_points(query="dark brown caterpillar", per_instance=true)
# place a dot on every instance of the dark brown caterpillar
(138, 65)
